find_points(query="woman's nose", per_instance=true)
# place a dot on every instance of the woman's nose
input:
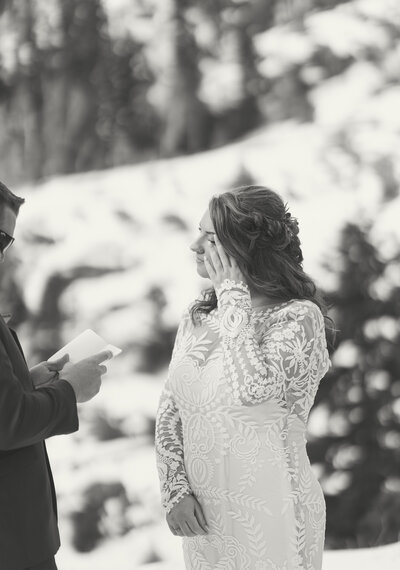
(197, 246)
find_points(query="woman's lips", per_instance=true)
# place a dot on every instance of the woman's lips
(199, 259)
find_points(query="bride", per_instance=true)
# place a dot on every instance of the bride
(236, 481)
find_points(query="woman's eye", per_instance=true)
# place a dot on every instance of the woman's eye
(211, 241)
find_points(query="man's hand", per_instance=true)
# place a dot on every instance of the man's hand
(187, 518)
(46, 372)
(85, 375)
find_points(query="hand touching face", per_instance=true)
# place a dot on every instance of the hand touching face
(203, 242)
(220, 265)
(211, 258)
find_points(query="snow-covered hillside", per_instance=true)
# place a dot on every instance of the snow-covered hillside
(130, 552)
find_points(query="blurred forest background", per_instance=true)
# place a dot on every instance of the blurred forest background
(120, 118)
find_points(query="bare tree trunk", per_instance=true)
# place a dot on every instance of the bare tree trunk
(80, 145)
(186, 116)
(29, 91)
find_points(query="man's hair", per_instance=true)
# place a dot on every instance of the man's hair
(7, 198)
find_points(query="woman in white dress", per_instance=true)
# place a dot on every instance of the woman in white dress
(236, 481)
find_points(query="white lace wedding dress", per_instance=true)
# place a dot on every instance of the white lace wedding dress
(231, 430)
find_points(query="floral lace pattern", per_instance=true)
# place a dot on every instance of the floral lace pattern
(231, 429)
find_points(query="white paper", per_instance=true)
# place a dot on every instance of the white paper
(85, 344)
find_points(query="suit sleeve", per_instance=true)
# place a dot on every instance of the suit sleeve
(27, 418)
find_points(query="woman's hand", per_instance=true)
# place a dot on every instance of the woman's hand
(186, 518)
(221, 266)
(46, 372)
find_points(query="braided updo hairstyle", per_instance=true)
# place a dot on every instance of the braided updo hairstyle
(256, 229)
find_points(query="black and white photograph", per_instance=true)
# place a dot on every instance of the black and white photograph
(199, 284)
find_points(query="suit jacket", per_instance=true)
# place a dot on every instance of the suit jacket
(28, 512)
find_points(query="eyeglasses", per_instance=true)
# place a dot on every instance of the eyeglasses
(5, 241)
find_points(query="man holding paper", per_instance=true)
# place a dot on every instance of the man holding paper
(34, 405)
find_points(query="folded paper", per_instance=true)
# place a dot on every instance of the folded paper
(84, 345)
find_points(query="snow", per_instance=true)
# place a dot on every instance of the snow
(221, 84)
(345, 32)
(346, 355)
(385, 557)
(130, 552)
(387, 11)
(349, 91)
(282, 48)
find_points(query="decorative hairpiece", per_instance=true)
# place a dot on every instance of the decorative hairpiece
(287, 217)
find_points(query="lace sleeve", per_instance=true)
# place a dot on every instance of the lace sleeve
(285, 364)
(169, 449)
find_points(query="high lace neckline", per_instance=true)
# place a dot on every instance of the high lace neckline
(271, 306)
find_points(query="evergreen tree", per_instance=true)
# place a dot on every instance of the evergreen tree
(360, 451)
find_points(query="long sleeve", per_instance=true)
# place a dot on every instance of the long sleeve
(284, 363)
(174, 484)
(27, 418)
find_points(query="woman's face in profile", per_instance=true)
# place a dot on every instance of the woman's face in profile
(201, 245)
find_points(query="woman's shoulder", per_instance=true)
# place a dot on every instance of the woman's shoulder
(295, 309)
(303, 306)
(190, 318)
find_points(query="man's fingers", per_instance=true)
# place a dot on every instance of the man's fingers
(103, 369)
(58, 364)
(101, 356)
(201, 519)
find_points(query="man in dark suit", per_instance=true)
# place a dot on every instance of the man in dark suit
(34, 405)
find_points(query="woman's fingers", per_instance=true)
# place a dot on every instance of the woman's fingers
(210, 268)
(191, 527)
(201, 519)
(188, 522)
(215, 258)
(187, 528)
(175, 528)
(224, 266)
(223, 256)
(195, 525)
(171, 528)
